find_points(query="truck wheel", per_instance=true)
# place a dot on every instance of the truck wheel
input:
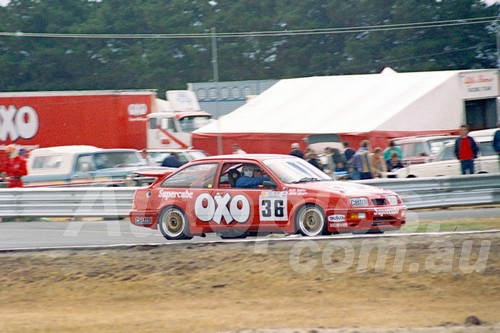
(310, 221)
(173, 224)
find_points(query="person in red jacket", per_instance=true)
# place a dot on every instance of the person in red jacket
(15, 167)
(466, 150)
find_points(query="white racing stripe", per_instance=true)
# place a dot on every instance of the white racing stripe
(294, 238)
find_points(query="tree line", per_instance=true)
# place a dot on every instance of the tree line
(338, 37)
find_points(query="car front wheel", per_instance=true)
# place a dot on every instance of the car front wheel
(310, 221)
(173, 224)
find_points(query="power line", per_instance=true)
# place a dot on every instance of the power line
(370, 28)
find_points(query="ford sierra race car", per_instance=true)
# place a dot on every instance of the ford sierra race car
(242, 195)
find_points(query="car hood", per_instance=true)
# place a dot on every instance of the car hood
(342, 187)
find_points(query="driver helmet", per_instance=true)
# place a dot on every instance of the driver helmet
(248, 170)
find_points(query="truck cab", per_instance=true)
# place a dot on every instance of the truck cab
(81, 166)
(173, 120)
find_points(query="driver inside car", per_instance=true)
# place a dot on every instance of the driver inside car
(251, 177)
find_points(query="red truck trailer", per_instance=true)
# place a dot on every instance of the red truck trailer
(105, 119)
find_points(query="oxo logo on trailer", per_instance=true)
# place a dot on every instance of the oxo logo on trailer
(17, 123)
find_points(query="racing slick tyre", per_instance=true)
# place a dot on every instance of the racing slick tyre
(173, 224)
(310, 221)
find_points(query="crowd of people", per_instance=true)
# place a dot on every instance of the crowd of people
(368, 163)
(364, 163)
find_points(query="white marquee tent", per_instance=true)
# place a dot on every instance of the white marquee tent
(385, 102)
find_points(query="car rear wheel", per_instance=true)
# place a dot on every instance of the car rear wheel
(173, 224)
(310, 221)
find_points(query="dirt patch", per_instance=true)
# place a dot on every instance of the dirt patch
(332, 284)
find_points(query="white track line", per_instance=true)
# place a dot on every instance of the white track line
(256, 240)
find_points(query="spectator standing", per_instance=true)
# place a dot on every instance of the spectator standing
(312, 158)
(391, 149)
(379, 167)
(171, 161)
(16, 167)
(394, 163)
(329, 166)
(149, 160)
(466, 150)
(496, 142)
(296, 150)
(348, 152)
(361, 162)
(339, 159)
(237, 149)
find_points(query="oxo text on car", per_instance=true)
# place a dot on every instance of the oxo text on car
(293, 197)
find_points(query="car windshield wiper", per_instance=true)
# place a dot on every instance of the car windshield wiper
(306, 180)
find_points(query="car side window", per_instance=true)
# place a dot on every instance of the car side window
(407, 149)
(229, 174)
(84, 163)
(447, 154)
(47, 162)
(194, 176)
(486, 149)
(420, 149)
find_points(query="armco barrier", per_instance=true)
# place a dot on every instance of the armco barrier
(443, 191)
(114, 202)
(110, 202)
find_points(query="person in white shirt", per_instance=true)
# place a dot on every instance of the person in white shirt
(149, 160)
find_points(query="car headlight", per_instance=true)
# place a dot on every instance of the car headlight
(393, 199)
(358, 202)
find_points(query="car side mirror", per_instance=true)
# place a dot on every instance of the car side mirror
(269, 184)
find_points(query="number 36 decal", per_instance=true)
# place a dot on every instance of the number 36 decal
(273, 206)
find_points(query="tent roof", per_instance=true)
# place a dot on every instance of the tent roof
(330, 104)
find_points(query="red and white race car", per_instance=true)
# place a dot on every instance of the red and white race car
(240, 195)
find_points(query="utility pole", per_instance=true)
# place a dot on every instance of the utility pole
(215, 66)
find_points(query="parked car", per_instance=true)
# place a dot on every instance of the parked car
(81, 166)
(185, 155)
(294, 197)
(446, 164)
(422, 149)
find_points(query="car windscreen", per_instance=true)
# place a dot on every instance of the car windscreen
(122, 159)
(295, 170)
(191, 123)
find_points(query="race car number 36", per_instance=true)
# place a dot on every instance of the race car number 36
(273, 206)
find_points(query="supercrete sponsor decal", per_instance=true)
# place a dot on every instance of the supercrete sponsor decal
(175, 195)
(208, 208)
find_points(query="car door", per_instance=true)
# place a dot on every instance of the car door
(487, 161)
(248, 209)
(83, 169)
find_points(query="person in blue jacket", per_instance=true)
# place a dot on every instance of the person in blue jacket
(496, 141)
(171, 161)
(251, 177)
